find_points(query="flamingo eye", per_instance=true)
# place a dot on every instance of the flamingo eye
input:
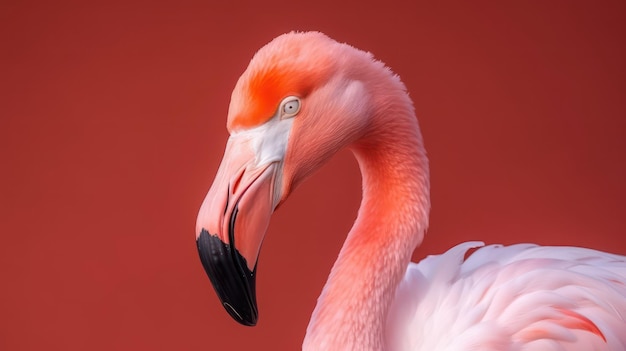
(289, 107)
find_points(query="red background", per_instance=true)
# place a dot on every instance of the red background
(112, 125)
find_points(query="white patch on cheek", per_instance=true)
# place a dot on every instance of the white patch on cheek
(269, 145)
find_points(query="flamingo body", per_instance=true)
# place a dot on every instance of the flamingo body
(305, 96)
(519, 297)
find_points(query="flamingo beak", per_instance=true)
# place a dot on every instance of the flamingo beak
(231, 225)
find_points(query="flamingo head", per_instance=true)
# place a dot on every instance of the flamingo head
(296, 104)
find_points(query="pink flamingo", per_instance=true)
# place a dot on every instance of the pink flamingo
(303, 97)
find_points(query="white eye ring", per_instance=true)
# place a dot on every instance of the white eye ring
(289, 107)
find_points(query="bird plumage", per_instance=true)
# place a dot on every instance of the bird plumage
(521, 297)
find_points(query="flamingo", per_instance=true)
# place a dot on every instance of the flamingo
(302, 98)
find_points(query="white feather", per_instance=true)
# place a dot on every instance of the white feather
(518, 297)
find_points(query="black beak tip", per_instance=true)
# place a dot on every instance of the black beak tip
(230, 276)
(247, 319)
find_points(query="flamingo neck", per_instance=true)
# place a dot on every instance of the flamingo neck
(351, 312)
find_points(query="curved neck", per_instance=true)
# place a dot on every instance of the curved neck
(351, 312)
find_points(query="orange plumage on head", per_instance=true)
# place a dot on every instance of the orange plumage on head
(273, 74)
